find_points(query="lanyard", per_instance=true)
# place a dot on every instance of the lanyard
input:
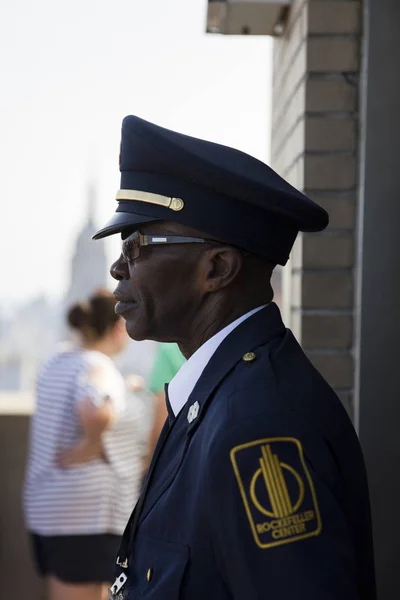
(128, 538)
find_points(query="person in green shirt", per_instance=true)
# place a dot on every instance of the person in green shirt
(167, 362)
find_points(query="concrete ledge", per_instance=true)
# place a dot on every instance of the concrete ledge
(17, 403)
(17, 575)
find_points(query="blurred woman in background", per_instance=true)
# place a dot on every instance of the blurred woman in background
(85, 462)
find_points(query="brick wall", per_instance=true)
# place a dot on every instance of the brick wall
(315, 147)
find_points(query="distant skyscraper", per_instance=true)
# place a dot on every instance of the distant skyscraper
(31, 334)
(89, 266)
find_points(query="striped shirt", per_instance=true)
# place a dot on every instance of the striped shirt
(98, 496)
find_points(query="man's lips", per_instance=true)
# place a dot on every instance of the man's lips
(122, 298)
(124, 303)
(124, 306)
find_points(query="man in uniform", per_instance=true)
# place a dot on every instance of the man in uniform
(257, 488)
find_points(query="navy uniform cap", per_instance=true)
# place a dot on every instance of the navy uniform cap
(225, 193)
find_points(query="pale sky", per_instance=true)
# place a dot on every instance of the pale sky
(70, 71)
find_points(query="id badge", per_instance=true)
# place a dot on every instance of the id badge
(117, 590)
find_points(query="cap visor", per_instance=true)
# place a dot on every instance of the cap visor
(120, 221)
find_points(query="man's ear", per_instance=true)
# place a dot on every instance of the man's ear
(221, 266)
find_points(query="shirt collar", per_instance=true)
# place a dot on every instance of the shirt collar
(188, 375)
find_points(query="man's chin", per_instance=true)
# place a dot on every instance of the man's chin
(139, 331)
(135, 331)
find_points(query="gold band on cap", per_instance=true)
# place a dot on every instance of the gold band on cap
(172, 203)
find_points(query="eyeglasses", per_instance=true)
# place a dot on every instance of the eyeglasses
(132, 244)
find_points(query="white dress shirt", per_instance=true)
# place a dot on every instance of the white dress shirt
(188, 375)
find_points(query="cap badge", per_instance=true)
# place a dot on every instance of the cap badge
(176, 204)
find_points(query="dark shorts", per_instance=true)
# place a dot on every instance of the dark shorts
(77, 558)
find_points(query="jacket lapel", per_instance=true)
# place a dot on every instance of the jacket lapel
(167, 464)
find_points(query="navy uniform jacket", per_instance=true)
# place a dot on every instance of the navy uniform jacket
(263, 494)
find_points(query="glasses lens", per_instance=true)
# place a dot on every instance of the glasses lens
(130, 247)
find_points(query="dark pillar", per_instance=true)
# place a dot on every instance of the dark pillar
(378, 338)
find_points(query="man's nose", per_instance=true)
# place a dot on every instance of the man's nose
(119, 270)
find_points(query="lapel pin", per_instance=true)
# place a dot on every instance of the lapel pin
(193, 411)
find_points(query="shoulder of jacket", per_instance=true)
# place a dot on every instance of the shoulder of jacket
(252, 386)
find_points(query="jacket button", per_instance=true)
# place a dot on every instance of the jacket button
(249, 356)
(149, 575)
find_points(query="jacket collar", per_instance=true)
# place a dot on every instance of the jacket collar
(188, 375)
(251, 333)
